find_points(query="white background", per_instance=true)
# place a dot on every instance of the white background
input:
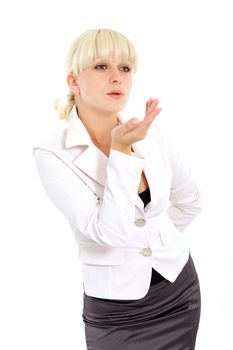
(185, 52)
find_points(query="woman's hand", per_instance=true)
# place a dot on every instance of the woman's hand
(134, 130)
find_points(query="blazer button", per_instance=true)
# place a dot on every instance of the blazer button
(146, 252)
(140, 222)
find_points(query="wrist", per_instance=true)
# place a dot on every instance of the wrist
(121, 148)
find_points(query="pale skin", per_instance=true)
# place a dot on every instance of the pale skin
(99, 110)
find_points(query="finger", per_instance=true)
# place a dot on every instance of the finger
(148, 103)
(152, 105)
(152, 112)
(145, 123)
(131, 123)
(132, 126)
(148, 120)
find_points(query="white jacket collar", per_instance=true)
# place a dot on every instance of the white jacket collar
(77, 134)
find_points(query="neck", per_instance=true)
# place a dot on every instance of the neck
(99, 125)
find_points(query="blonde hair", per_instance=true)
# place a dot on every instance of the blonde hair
(84, 49)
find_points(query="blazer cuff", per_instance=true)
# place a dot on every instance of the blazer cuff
(128, 160)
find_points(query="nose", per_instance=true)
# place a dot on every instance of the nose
(115, 76)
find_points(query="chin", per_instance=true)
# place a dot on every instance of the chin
(115, 111)
(117, 108)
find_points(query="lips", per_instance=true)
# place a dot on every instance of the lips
(115, 92)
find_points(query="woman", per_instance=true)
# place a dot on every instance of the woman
(127, 197)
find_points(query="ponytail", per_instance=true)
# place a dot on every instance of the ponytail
(63, 110)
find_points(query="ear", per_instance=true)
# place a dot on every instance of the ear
(72, 83)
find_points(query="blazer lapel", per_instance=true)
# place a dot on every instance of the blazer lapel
(93, 162)
(154, 169)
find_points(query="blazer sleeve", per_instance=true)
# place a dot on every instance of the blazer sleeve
(185, 194)
(107, 221)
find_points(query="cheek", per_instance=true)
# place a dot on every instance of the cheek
(87, 88)
(129, 84)
(130, 81)
(94, 85)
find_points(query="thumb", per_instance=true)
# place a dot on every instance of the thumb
(131, 122)
(127, 126)
(134, 121)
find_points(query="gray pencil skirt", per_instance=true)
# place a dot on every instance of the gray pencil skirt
(166, 318)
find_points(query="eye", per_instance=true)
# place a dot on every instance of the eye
(125, 69)
(101, 67)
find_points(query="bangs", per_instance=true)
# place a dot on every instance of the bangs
(103, 43)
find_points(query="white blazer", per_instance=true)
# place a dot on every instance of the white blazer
(119, 241)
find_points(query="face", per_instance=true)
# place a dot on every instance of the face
(105, 85)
